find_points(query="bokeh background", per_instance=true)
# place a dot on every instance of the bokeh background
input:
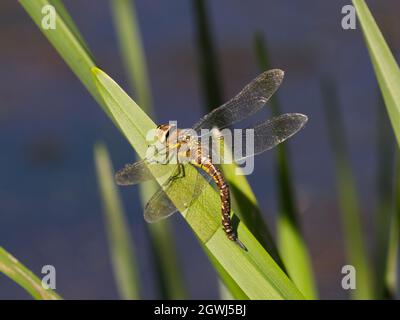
(50, 208)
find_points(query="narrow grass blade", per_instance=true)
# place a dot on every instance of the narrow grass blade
(385, 201)
(67, 42)
(347, 194)
(254, 271)
(17, 272)
(385, 66)
(207, 57)
(393, 254)
(164, 253)
(63, 13)
(131, 48)
(292, 245)
(243, 197)
(397, 190)
(119, 238)
(388, 76)
(167, 268)
(391, 277)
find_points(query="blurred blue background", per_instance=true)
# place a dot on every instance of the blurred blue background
(50, 210)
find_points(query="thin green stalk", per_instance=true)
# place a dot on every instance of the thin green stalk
(397, 190)
(17, 272)
(292, 245)
(385, 66)
(393, 252)
(347, 194)
(385, 203)
(388, 75)
(63, 13)
(119, 240)
(131, 48)
(207, 57)
(134, 60)
(67, 40)
(391, 277)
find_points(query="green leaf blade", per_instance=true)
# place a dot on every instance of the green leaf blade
(131, 48)
(67, 43)
(384, 63)
(17, 272)
(292, 245)
(119, 238)
(347, 194)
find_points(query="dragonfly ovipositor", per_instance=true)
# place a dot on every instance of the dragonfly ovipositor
(183, 147)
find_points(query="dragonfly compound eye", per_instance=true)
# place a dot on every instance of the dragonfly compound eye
(162, 132)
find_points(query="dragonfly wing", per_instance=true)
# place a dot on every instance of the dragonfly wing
(159, 207)
(251, 99)
(267, 135)
(175, 196)
(139, 172)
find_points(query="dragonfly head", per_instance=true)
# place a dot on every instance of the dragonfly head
(163, 131)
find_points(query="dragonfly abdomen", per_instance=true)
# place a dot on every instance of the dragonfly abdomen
(205, 164)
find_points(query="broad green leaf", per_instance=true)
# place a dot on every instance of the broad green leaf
(245, 203)
(119, 239)
(16, 271)
(254, 271)
(228, 283)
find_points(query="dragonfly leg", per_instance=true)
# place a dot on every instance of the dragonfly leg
(178, 175)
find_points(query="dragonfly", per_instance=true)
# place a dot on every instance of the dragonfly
(189, 149)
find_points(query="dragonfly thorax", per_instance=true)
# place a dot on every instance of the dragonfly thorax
(179, 143)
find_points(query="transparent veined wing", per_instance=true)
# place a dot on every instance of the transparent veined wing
(176, 196)
(140, 171)
(267, 135)
(262, 137)
(159, 207)
(251, 99)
